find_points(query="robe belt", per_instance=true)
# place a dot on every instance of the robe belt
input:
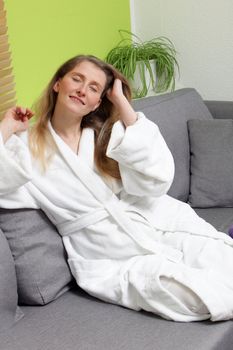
(131, 228)
(70, 227)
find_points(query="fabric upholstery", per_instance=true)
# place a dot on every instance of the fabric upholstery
(211, 145)
(220, 109)
(9, 310)
(171, 112)
(40, 260)
(220, 218)
(77, 321)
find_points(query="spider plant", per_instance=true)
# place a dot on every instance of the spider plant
(131, 55)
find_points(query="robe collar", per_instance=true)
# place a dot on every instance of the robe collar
(86, 146)
(85, 157)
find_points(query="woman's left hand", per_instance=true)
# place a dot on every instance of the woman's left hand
(121, 103)
(115, 94)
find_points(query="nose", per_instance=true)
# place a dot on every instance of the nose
(81, 90)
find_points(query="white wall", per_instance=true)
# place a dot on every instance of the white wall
(202, 32)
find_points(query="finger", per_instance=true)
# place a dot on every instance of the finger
(23, 111)
(29, 113)
(20, 110)
(18, 113)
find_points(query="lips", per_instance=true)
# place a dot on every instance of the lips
(76, 98)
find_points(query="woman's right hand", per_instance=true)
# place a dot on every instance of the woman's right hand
(16, 119)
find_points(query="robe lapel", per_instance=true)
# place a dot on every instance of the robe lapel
(82, 164)
(86, 147)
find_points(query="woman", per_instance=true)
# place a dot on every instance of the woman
(100, 172)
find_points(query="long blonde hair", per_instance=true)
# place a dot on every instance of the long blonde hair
(101, 121)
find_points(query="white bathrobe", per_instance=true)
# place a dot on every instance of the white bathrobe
(127, 242)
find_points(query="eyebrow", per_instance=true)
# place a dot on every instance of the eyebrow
(93, 82)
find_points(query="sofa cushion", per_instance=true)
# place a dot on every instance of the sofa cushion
(171, 112)
(78, 321)
(211, 146)
(40, 260)
(220, 109)
(9, 310)
(220, 218)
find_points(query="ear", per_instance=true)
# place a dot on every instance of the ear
(97, 105)
(56, 86)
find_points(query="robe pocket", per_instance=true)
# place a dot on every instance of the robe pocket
(148, 285)
(176, 297)
(98, 277)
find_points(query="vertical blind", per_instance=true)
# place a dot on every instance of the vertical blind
(7, 86)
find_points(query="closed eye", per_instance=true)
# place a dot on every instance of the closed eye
(76, 79)
(93, 88)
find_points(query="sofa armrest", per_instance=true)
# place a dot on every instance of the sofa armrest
(220, 109)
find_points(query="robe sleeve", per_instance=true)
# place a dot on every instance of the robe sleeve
(145, 161)
(15, 163)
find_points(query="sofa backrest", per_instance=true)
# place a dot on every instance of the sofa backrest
(170, 112)
(220, 109)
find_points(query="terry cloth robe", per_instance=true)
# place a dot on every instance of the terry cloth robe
(127, 241)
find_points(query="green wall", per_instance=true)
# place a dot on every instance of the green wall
(45, 33)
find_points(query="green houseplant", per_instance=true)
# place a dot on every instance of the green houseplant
(154, 62)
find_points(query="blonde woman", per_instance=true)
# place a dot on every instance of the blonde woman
(100, 171)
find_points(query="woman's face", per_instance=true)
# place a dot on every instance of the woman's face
(80, 90)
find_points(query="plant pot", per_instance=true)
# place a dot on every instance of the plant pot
(143, 84)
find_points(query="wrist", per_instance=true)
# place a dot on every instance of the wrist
(120, 101)
(6, 131)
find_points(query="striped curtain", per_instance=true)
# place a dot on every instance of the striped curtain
(7, 86)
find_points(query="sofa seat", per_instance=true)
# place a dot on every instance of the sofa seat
(76, 321)
(87, 323)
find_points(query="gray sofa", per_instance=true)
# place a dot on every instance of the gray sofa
(53, 313)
